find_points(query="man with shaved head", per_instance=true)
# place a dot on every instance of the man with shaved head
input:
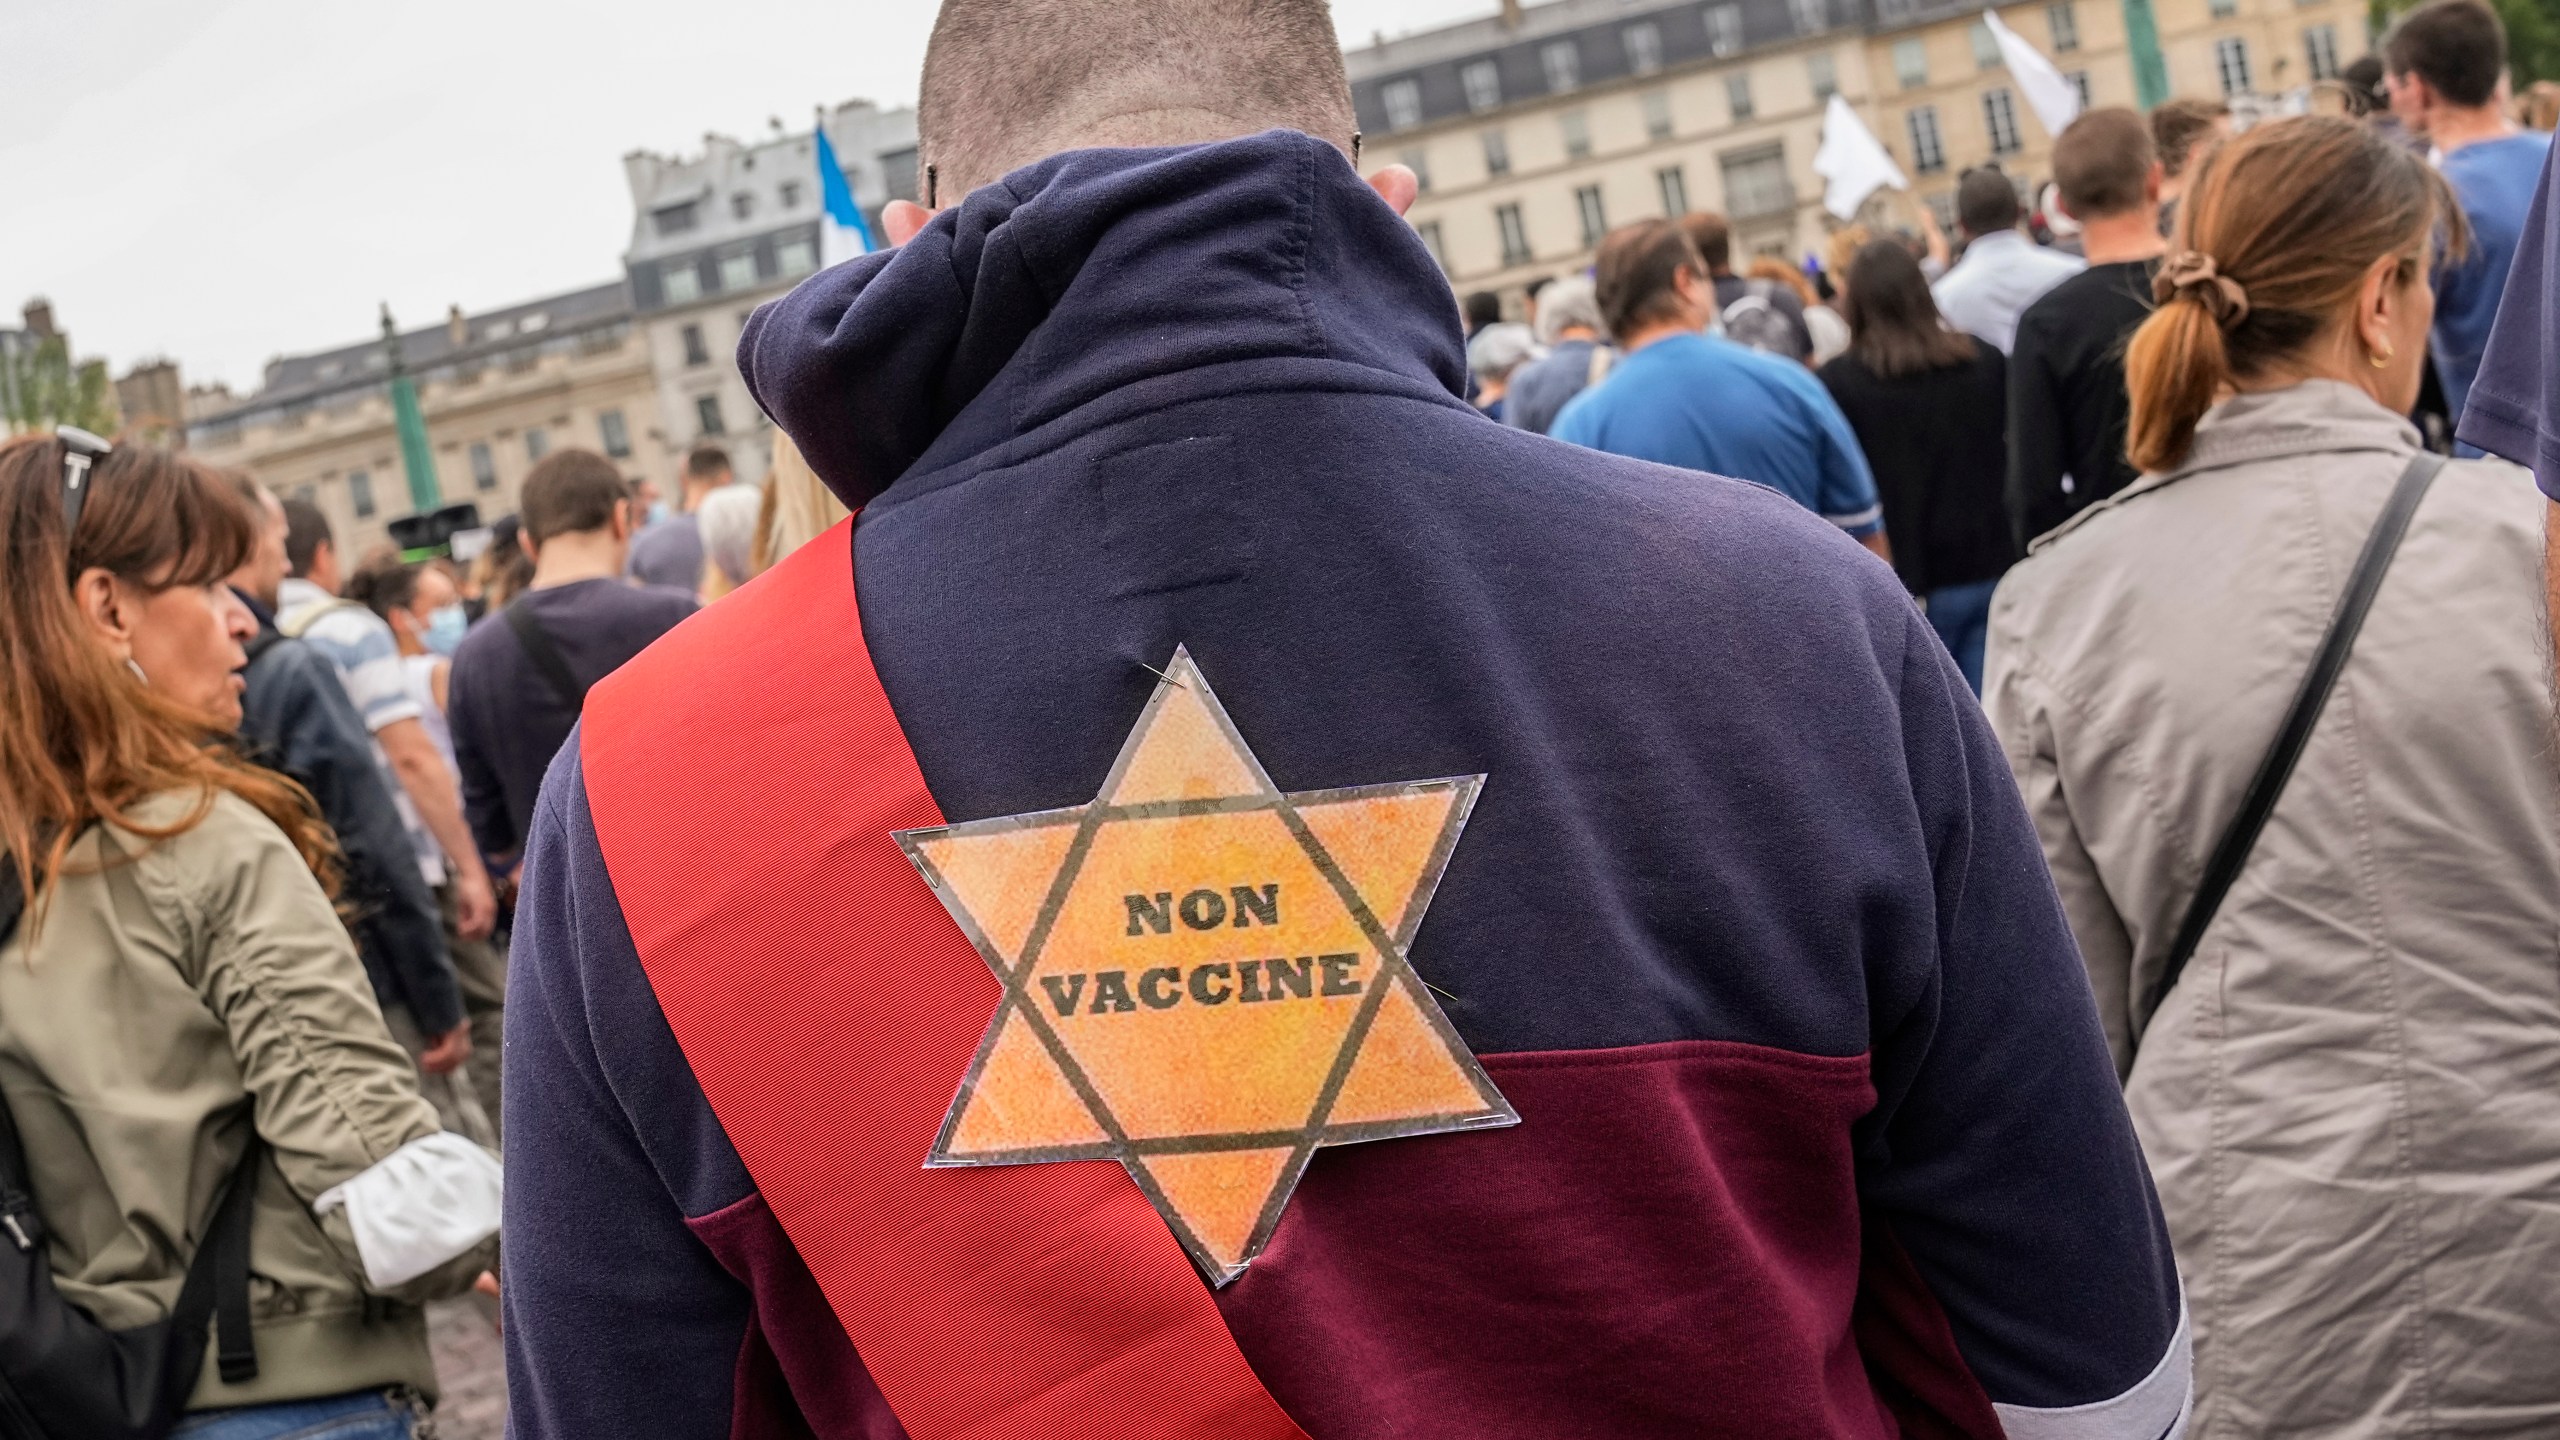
(1238, 898)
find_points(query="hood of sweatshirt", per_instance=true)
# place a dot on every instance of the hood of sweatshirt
(1084, 274)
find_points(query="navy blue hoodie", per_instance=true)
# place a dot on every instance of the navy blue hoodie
(1819, 1134)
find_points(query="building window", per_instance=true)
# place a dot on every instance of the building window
(742, 205)
(2080, 82)
(1483, 84)
(1737, 94)
(738, 270)
(1928, 152)
(2063, 23)
(790, 194)
(1811, 15)
(2320, 47)
(1644, 47)
(484, 467)
(1576, 125)
(1497, 153)
(1657, 114)
(537, 443)
(616, 433)
(681, 281)
(797, 257)
(1563, 64)
(674, 219)
(360, 492)
(706, 415)
(1824, 74)
(1515, 233)
(1756, 184)
(2231, 62)
(1724, 28)
(1419, 162)
(1429, 230)
(1403, 99)
(2000, 119)
(1910, 63)
(695, 351)
(1986, 47)
(1595, 215)
(2224, 9)
(1673, 182)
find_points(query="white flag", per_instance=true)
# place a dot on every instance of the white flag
(1852, 162)
(2055, 100)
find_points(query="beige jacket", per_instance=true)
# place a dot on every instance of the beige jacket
(172, 989)
(2351, 1102)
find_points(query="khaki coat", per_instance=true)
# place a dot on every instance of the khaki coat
(2351, 1101)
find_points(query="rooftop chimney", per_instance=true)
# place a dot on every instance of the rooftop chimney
(457, 330)
(1510, 14)
(39, 318)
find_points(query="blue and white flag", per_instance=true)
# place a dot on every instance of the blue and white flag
(841, 233)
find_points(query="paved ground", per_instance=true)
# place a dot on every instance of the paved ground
(469, 1369)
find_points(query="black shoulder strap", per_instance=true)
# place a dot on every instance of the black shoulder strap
(228, 1240)
(259, 644)
(2267, 786)
(545, 655)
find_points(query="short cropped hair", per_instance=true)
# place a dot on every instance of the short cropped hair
(1007, 82)
(705, 462)
(1638, 272)
(2176, 127)
(1712, 237)
(1480, 308)
(2102, 163)
(1986, 202)
(305, 531)
(570, 493)
(2459, 47)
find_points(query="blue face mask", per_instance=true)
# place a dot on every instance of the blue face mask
(659, 510)
(445, 629)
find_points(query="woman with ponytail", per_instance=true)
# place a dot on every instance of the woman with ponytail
(181, 1010)
(2345, 1065)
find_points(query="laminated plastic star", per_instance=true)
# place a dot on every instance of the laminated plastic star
(1205, 979)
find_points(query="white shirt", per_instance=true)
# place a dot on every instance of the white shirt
(2000, 275)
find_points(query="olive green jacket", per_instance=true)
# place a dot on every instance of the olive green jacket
(170, 990)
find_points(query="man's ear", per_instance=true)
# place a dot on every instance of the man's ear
(1397, 185)
(525, 542)
(903, 220)
(2152, 180)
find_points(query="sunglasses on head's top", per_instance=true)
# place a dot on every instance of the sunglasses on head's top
(81, 452)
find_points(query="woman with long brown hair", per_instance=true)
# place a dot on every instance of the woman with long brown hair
(2331, 987)
(179, 1001)
(1930, 407)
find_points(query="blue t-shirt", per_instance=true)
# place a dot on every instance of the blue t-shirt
(2515, 399)
(2494, 180)
(1707, 404)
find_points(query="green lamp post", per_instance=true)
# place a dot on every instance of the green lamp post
(415, 457)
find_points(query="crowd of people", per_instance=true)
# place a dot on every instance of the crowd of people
(2093, 968)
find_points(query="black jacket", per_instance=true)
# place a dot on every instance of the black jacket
(1935, 442)
(297, 718)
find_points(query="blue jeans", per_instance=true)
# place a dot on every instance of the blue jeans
(1961, 614)
(363, 1415)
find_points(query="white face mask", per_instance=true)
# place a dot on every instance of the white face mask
(446, 625)
(659, 510)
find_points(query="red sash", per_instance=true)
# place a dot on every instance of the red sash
(744, 774)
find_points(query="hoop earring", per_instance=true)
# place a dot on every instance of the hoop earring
(2381, 361)
(136, 667)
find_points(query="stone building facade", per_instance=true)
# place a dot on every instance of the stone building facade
(1538, 129)
(718, 233)
(499, 391)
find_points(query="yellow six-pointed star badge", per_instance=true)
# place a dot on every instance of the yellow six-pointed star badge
(1204, 978)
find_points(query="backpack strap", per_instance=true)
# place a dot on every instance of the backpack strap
(2267, 787)
(225, 1256)
(545, 654)
(299, 623)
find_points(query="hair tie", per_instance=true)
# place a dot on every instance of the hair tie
(2192, 272)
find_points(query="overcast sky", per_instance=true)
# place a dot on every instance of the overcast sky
(222, 181)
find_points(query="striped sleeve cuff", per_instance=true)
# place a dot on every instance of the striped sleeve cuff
(2156, 1408)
